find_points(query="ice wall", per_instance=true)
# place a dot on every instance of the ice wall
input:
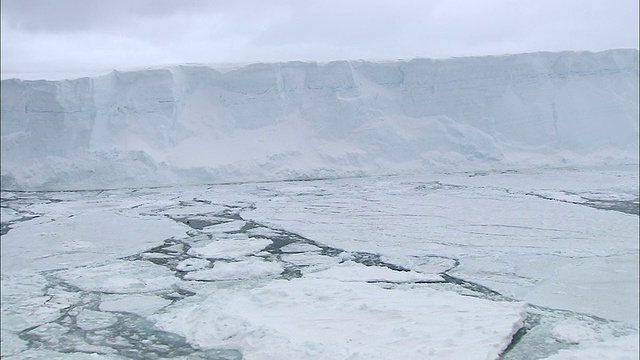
(193, 124)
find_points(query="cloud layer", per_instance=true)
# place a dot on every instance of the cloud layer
(77, 37)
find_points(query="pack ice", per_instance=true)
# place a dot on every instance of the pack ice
(199, 124)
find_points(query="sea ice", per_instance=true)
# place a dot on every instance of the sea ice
(225, 227)
(352, 271)
(299, 248)
(92, 320)
(140, 304)
(60, 241)
(192, 264)
(263, 231)
(230, 248)
(52, 355)
(248, 268)
(11, 344)
(475, 246)
(121, 277)
(622, 348)
(25, 304)
(311, 261)
(347, 320)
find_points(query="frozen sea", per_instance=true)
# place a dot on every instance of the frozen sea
(526, 264)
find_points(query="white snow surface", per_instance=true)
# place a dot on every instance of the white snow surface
(442, 266)
(196, 124)
(624, 348)
(230, 248)
(351, 271)
(332, 319)
(60, 239)
(248, 268)
(143, 305)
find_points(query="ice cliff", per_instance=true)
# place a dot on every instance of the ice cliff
(195, 124)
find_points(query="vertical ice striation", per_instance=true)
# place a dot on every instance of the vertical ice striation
(193, 123)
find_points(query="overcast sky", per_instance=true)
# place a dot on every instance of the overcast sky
(57, 38)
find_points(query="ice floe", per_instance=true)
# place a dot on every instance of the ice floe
(352, 271)
(244, 269)
(140, 304)
(121, 277)
(230, 248)
(329, 319)
(621, 348)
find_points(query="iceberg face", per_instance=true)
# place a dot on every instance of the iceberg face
(193, 123)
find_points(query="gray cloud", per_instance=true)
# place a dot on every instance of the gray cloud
(56, 38)
(83, 15)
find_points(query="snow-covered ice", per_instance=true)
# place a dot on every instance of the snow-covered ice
(196, 124)
(143, 305)
(192, 264)
(238, 270)
(230, 248)
(617, 349)
(474, 208)
(447, 265)
(352, 271)
(332, 319)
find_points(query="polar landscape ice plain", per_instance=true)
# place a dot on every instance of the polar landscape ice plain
(472, 208)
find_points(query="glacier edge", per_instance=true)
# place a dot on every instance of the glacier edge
(195, 124)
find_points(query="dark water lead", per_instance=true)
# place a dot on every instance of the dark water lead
(631, 206)
(127, 335)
